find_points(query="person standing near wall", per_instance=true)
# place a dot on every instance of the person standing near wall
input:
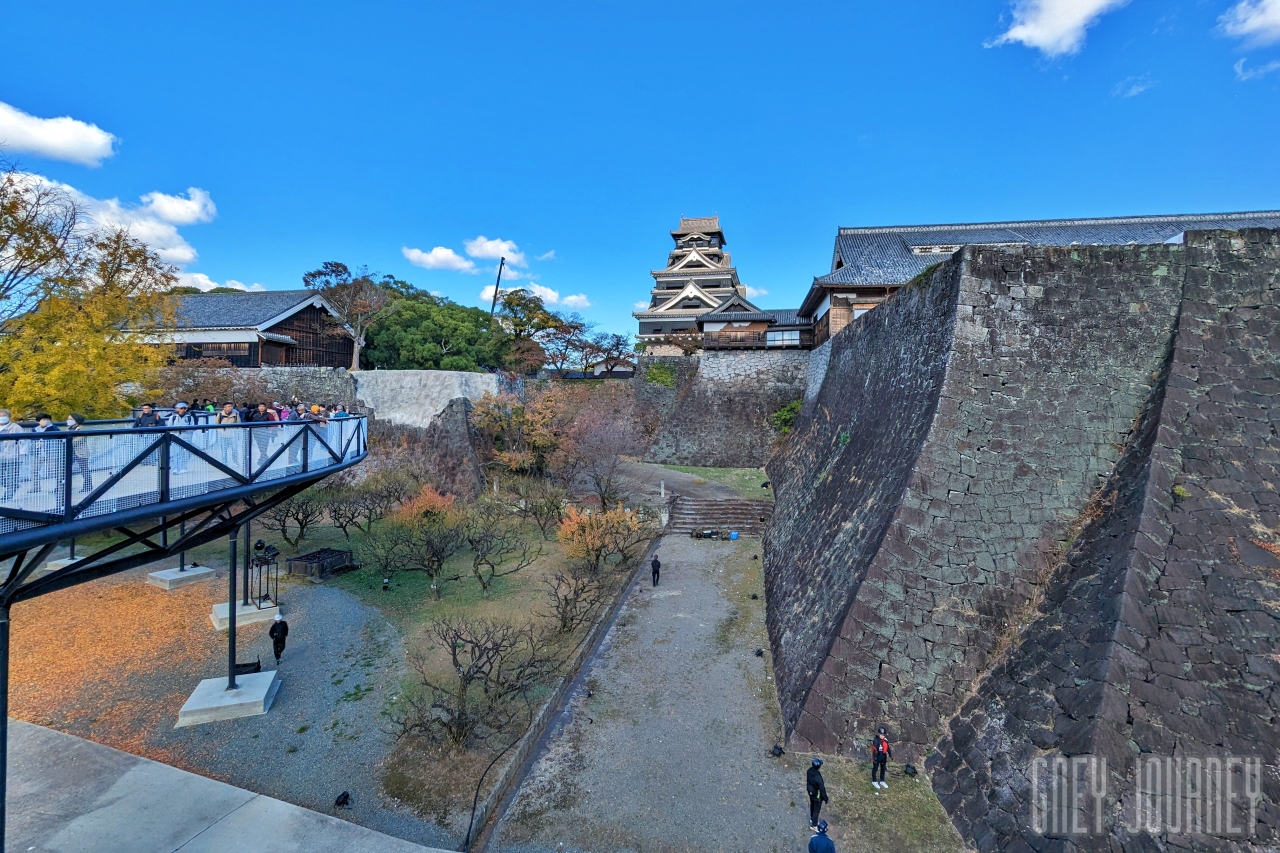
(656, 566)
(881, 752)
(817, 790)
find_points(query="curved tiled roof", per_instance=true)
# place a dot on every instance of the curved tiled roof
(699, 225)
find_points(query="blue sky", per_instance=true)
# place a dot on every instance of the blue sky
(252, 142)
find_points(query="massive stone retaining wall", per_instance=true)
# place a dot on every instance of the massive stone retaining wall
(717, 412)
(1031, 435)
(415, 397)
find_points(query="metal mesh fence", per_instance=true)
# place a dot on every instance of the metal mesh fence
(61, 475)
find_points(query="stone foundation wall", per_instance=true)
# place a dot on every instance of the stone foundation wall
(717, 413)
(1054, 544)
(416, 397)
(1158, 636)
(311, 384)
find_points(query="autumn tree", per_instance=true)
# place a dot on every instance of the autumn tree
(610, 537)
(360, 300)
(42, 239)
(93, 340)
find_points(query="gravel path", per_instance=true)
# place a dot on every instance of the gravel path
(643, 479)
(322, 736)
(669, 749)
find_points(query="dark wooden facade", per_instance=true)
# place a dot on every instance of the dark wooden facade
(319, 342)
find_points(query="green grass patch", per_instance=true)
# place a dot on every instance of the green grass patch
(745, 481)
(660, 374)
(906, 818)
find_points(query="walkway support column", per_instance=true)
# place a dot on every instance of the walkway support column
(231, 613)
(4, 715)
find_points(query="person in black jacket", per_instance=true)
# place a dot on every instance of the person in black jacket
(279, 631)
(656, 566)
(881, 752)
(817, 792)
(148, 418)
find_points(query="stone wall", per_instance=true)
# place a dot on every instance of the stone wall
(1004, 567)
(311, 384)
(415, 397)
(1158, 635)
(717, 413)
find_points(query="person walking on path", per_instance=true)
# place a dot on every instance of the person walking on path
(657, 567)
(48, 465)
(10, 457)
(881, 752)
(80, 452)
(817, 792)
(279, 631)
(821, 843)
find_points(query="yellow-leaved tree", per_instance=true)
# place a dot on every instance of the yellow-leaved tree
(90, 343)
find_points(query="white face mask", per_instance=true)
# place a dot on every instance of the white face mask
(4, 419)
(71, 422)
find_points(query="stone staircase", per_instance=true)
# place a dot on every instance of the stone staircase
(748, 517)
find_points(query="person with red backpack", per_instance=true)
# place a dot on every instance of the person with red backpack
(881, 752)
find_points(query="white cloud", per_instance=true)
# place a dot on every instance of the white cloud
(202, 281)
(546, 294)
(1257, 21)
(754, 292)
(439, 258)
(483, 247)
(62, 138)
(196, 207)
(486, 295)
(546, 256)
(145, 221)
(1055, 27)
(1133, 86)
(1243, 73)
(641, 306)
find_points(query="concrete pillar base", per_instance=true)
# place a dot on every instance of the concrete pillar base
(212, 701)
(244, 615)
(173, 578)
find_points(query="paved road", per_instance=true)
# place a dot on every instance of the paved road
(670, 751)
(69, 795)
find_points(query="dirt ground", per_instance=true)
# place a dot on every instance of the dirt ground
(114, 660)
(668, 747)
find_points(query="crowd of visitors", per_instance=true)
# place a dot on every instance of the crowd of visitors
(40, 465)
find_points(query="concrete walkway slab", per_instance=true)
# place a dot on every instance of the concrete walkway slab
(69, 795)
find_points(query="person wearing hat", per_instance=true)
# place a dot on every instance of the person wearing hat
(180, 417)
(821, 843)
(279, 631)
(817, 792)
(881, 752)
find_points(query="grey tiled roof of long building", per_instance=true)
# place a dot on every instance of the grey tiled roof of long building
(237, 310)
(884, 255)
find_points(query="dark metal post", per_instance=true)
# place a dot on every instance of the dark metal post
(247, 552)
(231, 614)
(182, 555)
(4, 716)
(497, 285)
(67, 488)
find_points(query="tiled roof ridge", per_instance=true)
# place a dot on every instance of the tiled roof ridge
(1104, 220)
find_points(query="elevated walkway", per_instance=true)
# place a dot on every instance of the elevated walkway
(69, 794)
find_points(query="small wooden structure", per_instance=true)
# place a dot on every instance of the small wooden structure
(319, 563)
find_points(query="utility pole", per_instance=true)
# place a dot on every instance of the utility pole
(497, 285)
